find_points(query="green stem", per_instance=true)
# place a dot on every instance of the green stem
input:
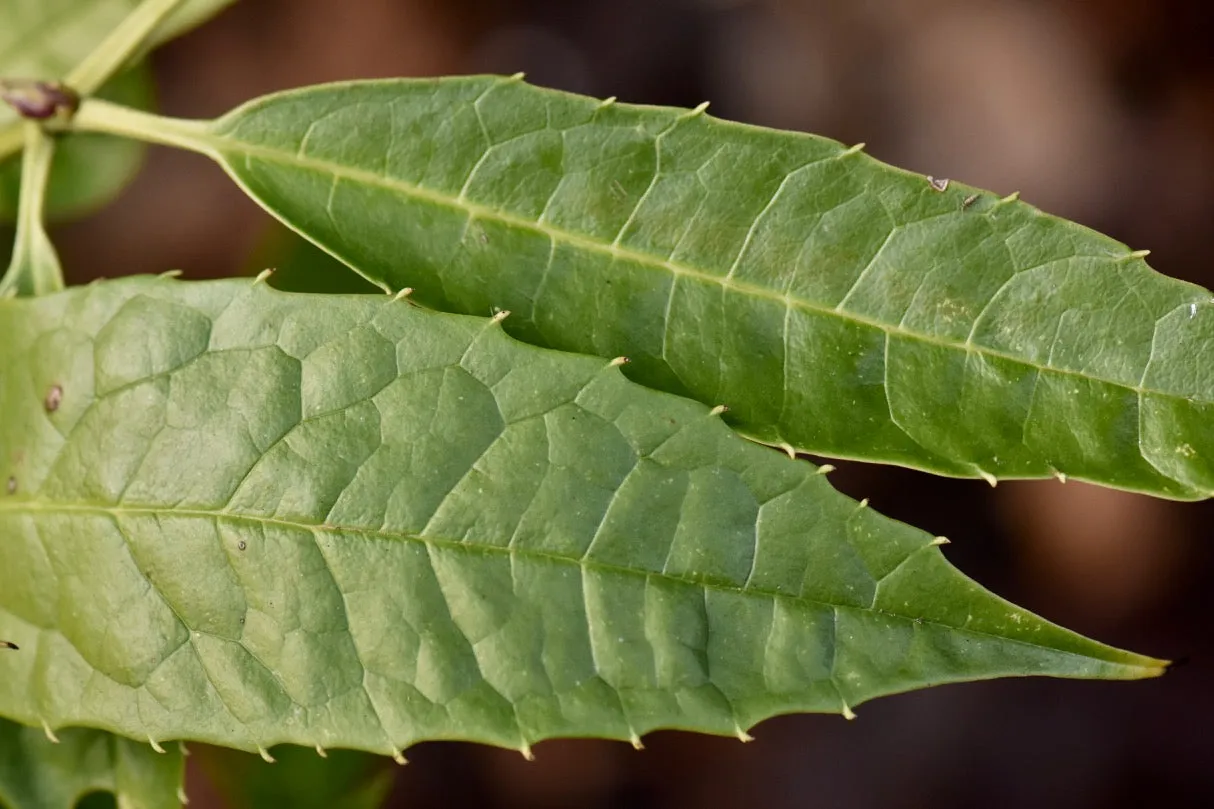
(95, 115)
(34, 269)
(122, 43)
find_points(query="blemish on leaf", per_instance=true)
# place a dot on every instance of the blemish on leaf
(241, 545)
(8, 644)
(938, 184)
(54, 398)
(11, 486)
(968, 201)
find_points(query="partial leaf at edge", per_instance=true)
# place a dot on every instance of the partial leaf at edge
(36, 773)
(836, 304)
(298, 778)
(44, 39)
(247, 517)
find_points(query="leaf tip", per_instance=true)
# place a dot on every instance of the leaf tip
(938, 183)
(156, 746)
(50, 734)
(263, 275)
(718, 410)
(320, 751)
(265, 755)
(851, 150)
(404, 293)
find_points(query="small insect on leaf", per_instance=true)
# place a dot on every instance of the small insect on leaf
(8, 644)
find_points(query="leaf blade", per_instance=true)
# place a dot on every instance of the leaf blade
(838, 305)
(252, 518)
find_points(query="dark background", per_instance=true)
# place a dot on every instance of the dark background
(1102, 112)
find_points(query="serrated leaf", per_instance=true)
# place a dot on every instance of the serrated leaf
(836, 304)
(247, 517)
(43, 39)
(38, 774)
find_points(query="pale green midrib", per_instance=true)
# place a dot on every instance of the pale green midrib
(217, 146)
(1145, 664)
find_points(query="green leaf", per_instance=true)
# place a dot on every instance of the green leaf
(836, 304)
(38, 774)
(44, 39)
(298, 778)
(247, 517)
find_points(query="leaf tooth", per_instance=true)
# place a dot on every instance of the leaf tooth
(525, 749)
(987, 476)
(265, 755)
(404, 293)
(607, 102)
(826, 469)
(320, 751)
(618, 361)
(788, 450)
(637, 744)
(1136, 254)
(517, 77)
(263, 275)
(742, 735)
(182, 798)
(500, 315)
(863, 503)
(170, 274)
(1012, 197)
(848, 713)
(185, 751)
(1061, 476)
(851, 150)
(718, 410)
(941, 541)
(156, 745)
(399, 757)
(699, 110)
(50, 734)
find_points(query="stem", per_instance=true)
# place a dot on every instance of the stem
(96, 115)
(123, 42)
(35, 268)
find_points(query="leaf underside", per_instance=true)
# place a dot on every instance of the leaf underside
(38, 774)
(836, 304)
(248, 517)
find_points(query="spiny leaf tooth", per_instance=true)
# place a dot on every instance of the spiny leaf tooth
(404, 293)
(263, 275)
(718, 410)
(607, 102)
(399, 757)
(851, 150)
(182, 798)
(742, 735)
(156, 745)
(826, 469)
(320, 751)
(618, 361)
(637, 744)
(1138, 254)
(788, 450)
(500, 315)
(265, 755)
(941, 541)
(50, 734)
(170, 274)
(1012, 197)
(526, 752)
(848, 713)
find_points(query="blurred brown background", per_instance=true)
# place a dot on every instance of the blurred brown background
(1102, 112)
